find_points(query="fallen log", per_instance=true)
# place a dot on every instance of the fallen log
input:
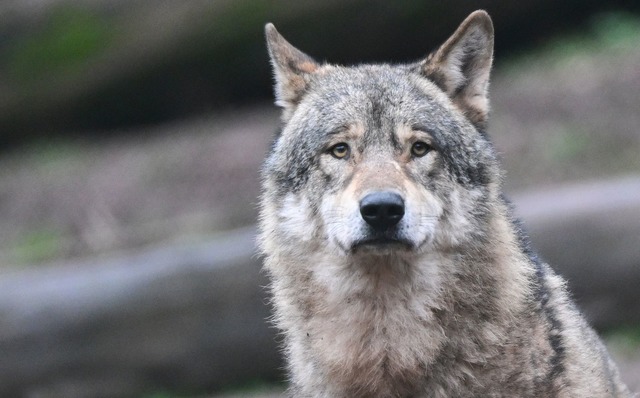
(185, 319)
(192, 318)
(590, 233)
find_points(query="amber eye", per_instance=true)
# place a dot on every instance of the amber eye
(419, 149)
(340, 151)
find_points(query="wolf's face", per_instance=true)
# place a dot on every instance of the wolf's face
(380, 159)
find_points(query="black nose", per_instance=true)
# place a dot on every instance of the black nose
(382, 210)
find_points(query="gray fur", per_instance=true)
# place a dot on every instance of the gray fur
(452, 303)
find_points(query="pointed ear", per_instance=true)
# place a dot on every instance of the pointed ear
(292, 69)
(461, 66)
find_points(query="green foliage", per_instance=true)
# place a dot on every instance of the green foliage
(624, 340)
(617, 29)
(70, 37)
(611, 31)
(567, 143)
(608, 32)
(627, 335)
(56, 156)
(37, 246)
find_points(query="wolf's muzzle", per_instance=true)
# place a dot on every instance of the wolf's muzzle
(382, 210)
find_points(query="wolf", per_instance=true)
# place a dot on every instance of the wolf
(396, 266)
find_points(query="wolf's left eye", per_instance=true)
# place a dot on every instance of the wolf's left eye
(419, 149)
(340, 151)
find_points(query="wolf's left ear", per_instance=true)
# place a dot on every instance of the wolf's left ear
(292, 69)
(461, 66)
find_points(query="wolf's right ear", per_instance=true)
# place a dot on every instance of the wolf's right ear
(292, 69)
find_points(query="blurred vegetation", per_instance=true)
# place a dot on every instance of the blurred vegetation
(36, 246)
(609, 32)
(80, 197)
(624, 343)
(67, 41)
(624, 337)
(572, 97)
(80, 66)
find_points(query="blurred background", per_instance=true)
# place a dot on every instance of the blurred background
(131, 137)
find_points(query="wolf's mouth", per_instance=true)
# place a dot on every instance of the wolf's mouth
(381, 242)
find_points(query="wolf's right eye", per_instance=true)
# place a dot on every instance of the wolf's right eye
(340, 151)
(419, 149)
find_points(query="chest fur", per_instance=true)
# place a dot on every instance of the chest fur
(370, 329)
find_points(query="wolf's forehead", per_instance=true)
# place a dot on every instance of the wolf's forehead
(374, 95)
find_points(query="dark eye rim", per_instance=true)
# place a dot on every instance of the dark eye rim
(347, 150)
(420, 153)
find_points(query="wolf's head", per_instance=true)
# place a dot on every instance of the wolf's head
(382, 159)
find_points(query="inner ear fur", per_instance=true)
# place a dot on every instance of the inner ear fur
(292, 69)
(462, 65)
